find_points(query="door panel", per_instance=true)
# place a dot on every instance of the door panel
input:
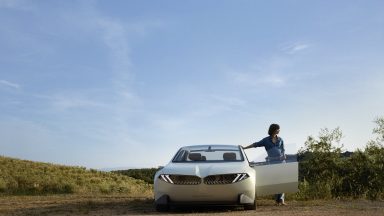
(277, 178)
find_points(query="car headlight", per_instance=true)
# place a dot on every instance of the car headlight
(240, 177)
(180, 179)
(166, 178)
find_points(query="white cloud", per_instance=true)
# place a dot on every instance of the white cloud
(9, 84)
(295, 47)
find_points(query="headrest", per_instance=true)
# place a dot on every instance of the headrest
(194, 156)
(229, 156)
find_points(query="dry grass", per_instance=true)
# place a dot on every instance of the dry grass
(23, 177)
(124, 205)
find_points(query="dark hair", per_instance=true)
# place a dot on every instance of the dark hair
(273, 128)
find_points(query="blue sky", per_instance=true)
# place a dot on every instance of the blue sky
(126, 83)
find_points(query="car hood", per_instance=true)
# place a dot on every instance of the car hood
(205, 169)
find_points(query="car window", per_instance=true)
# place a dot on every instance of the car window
(208, 154)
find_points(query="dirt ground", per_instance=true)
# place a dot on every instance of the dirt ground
(120, 205)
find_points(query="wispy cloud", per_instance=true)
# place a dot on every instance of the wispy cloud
(256, 79)
(9, 84)
(116, 39)
(15, 4)
(295, 47)
(145, 26)
(67, 101)
(9, 3)
(170, 123)
(271, 71)
(228, 101)
(64, 103)
(274, 79)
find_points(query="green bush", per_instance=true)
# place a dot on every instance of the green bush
(146, 174)
(3, 185)
(325, 173)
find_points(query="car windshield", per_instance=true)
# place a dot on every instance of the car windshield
(209, 153)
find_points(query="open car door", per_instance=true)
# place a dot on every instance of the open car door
(276, 178)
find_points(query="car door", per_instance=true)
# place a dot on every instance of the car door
(276, 178)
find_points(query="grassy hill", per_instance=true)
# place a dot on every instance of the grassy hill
(36, 178)
(146, 174)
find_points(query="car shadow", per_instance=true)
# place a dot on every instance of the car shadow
(88, 207)
(203, 209)
(112, 207)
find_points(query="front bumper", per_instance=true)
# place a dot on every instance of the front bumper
(242, 192)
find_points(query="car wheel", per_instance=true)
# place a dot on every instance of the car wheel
(162, 204)
(250, 207)
(162, 207)
(247, 202)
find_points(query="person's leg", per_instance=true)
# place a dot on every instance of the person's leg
(280, 198)
(277, 198)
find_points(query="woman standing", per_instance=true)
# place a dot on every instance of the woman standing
(274, 145)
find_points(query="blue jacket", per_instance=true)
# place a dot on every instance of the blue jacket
(274, 150)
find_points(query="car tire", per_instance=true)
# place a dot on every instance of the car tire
(162, 204)
(162, 207)
(250, 206)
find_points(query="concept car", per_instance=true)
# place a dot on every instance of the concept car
(219, 175)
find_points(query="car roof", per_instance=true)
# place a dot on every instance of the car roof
(215, 146)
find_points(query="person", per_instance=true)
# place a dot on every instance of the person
(274, 145)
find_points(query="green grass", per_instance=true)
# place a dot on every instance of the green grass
(22, 177)
(145, 174)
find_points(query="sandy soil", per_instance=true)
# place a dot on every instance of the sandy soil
(120, 205)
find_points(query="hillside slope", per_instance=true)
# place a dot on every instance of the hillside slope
(28, 177)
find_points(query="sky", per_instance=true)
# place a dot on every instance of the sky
(105, 84)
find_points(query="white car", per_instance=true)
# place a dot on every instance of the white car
(220, 175)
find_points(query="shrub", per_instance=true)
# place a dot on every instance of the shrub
(3, 185)
(325, 173)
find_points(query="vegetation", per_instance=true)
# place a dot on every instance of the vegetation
(325, 174)
(34, 178)
(145, 174)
